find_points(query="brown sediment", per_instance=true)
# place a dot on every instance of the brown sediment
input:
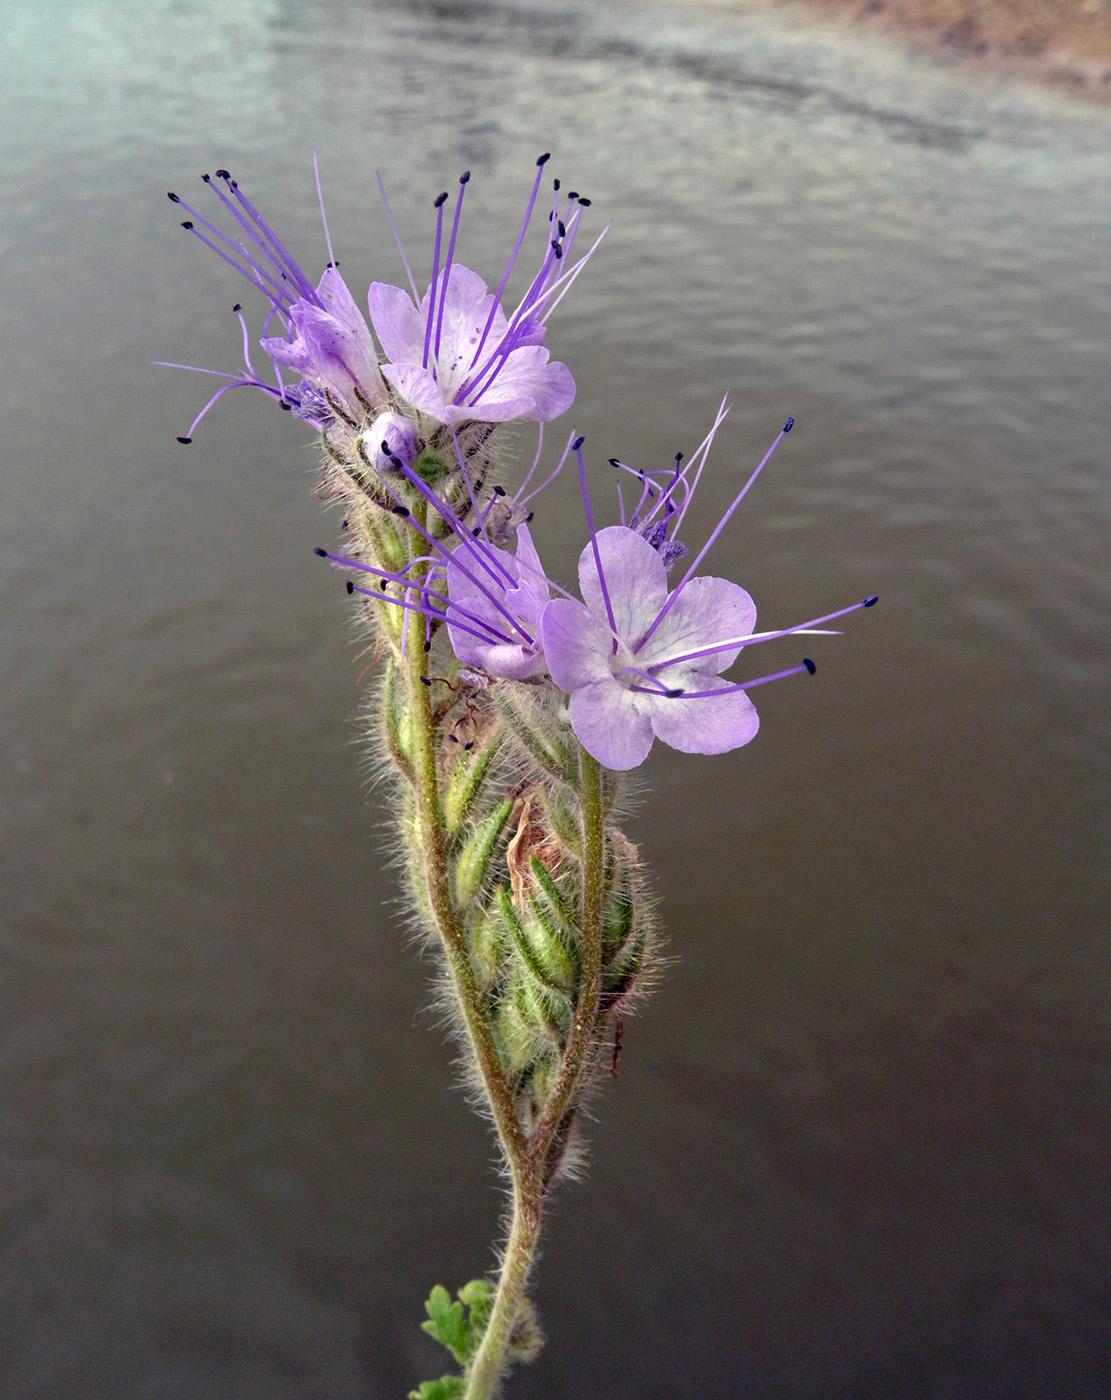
(1065, 42)
(1061, 41)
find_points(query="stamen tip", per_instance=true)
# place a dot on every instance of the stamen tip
(320, 553)
(185, 441)
(577, 443)
(543, 160)
(871, 602)
(790, 423)
(350, 586)
(674, 694)
(809, 664)
(425, 681)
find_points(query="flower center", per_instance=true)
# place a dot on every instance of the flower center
(621, 659)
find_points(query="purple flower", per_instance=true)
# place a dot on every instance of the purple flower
(391, 442)
(497, 601)
(329, 346)
(455, 354)
(642, 663)
(478, 366)
(326, 340)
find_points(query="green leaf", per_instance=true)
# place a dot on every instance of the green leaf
(446, 1388)
(446, 1323)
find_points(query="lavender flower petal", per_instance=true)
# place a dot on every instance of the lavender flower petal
(710, 724)
(332, 348)
(512, 376)
(576, 645)
(610, 724)
(708, 610)
(635, 578)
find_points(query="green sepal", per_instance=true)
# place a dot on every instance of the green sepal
(617, 922)
(468, 773)
(446, 1388)
(398, 724)
(552, 755)
(487, 949)
(545, 1012)
(622, 968)
(515, 1038)
(388, 544)
(545, 957)
(563, 818)
(472, 864)
(553, 895)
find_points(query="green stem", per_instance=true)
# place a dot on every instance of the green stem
(425, 780)
(489, 1362)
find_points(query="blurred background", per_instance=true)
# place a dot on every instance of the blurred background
(859, 1146)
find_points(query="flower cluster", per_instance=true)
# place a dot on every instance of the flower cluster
(506, 706)
(635, 658)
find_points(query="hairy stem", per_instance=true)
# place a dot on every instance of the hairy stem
(489, 1362)
(426, 788)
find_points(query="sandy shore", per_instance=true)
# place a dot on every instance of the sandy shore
(1064, 42)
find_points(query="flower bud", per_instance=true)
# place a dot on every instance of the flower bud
(391, 442)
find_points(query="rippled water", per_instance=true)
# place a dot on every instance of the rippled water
(859, 1144)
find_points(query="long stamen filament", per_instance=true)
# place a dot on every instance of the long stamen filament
(713, 536)
(729, 643)
(807, 665)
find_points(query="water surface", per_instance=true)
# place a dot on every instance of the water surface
(858, 1146)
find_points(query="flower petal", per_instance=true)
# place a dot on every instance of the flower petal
(577, 647)
(527, 375)
(397, 323)
(610, 725)
(636, 581)
(332, 348)
(712, 724)
(708, 610)
(417, 387)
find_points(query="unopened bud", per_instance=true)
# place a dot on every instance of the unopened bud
(391, 441)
